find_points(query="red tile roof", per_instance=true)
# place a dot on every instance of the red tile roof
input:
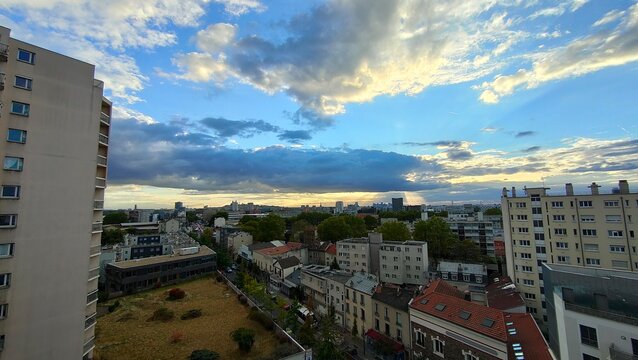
(332, 249)
(280, 249)
(502, 295)
(528, 336)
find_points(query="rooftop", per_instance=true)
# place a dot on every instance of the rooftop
(502, 294)
(332, 249)
(260, 245)
(288, 262)
(394, 296)
(450, 266)
(272, 251)
(154, 260)
(363, 282)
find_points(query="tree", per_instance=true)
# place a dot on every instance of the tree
(313, 218)
(334, 229)
(394, 231)
(355, 328)
(112, 236)
(204, 355)
(115, 218)
(327, 347)
(357, 225)
(303, 231)
(334, 265)
(272, 227)
(191, 216)
(436, 232)
(207, 237)
(245, 338)
(307, 334)
(493, 211)
(467, 250)
(371, 222)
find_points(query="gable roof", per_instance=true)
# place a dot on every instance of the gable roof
(272, 251)
(502, 294)
(332, 249)
(288, 262)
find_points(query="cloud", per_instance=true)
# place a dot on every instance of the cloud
(439, 144)
(490, 129)
(459, 154)
(581, 56)
(525, 133)
(243, 128)
(295, 136)
(215, 37)
(571, 5)
(610, 17)
(310, 118)
(531, 149)
(240, 7)
(352, 52)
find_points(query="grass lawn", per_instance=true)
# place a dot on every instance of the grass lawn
(126, 333)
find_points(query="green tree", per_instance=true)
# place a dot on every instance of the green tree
(357, 225)
(204, 355)
(327, 347)
(112, 236)
(394, 231)
(302, 231)
(334, 265)
(313, 218)
(355, 328)
(341, 227)
(245, 338)
(436, 232)
(223, 258)
(272, 227)
(115, 218)
(467, 250)
(191, 216)
(493, 211)
(371, 222)
(307, 334)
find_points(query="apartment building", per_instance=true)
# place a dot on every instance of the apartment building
(360, 254)
(55, 125)
(474, 228)
(390, 305)
(265, 258)
(359, 290)
(591, 229)
(444, 325)
(403, 262)
(593, 313)
(326, 288)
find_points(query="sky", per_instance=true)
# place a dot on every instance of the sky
(294, 102)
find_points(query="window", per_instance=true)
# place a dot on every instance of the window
(530, 296)
(589, 357)
(23, 83)
(527, 269)
(537, 210)
(528, 282)
(521, 205)
(613, 218)
(559, 231)
(586, 203)
(589, 232)
(614, 233)
(587, 218)
(6, 250)
(541, 250)
(10, 192)
(617, 248)
(479, 279)
(3, 310)
(562, 245)
(524, 242)
(619, 264)
(531, 310)
(455, 276)
(437, 346)
(559, 217)
(19, 108)
(523, 230)
(466, 277)
(444, 276)
(469, 356)
(590, 247)
(521, 217)
(562, 259)
(526, 256)
(539, 236)
(588, 336)
(557, 204)
(17, 136)
(592, 261)
(612, 203)
(5, 280)
(13, 163)
(26, 56)
(8, 220)
(538, 223)
(420, 338)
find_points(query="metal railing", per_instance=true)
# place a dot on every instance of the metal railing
(96, 226)
(90, 320)
(96, 249)
(100, 182)
(98, 204)
(91, 297)
(105, 118)
(94, 273)
(4, 52)
(103, 139)
(617, 354)
(2, 78)
(101, 160)
(89, 345)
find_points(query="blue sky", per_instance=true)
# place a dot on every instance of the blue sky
(307, 102)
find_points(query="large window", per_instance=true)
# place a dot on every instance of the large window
(6, 250)
(438, 346)
(587, 203)
(17, 136)
(593, 261)
(588, 336)
(10, 191)
(614, 233)
(8, 220)
(5, 280)
(19, 108)
(26, 56)
(13, 163)
(23, 82)
(420, 338)
(3, 310)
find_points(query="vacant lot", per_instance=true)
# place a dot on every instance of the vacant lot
(126, 333)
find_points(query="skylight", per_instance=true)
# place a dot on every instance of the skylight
(440, 307)
(464, 315)
(488, 322)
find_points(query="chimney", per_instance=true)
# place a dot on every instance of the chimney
(594, 188)
(504, 192)
(623, 185)
(569, 189)
(513, 192)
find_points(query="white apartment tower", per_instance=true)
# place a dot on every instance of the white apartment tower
(55, 127)
(403, 262)
(592, 229)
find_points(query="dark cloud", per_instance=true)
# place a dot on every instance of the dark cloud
(295, 136)
(244, 128)
(310, 118)
(531, 149)
(525, 133)
(606, 166)
(441, 143)
(459, 154)
(198, 162)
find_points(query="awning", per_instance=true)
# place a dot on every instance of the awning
(377, 336)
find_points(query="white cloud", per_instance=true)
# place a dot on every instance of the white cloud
(120, 112)
(215, 37)
(610, 17)
(240, 7)
(558, 10)
(581, 56)
(201, 67)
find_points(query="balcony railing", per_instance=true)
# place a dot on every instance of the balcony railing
(98, 204)
(89, 345)
(617, 354)
(103, 139)
(97, 249)
(100, 182)
(101, 160)
(2, 78)
(105, 118)
(90, 320)
(91, 297)
(94, 273)
(4, 52)
(96, 226)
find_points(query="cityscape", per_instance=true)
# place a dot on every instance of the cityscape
(326, 179)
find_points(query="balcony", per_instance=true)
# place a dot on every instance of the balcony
(4, 52)
(95, 250)
(89, 345)
(96, 227)
(90, 320)
(101, 161)
(2, 78)
(617, 354)
(103, 139)
(94, 273)
(98, 204)
(100, 182)
(91, 297)
(105, 118)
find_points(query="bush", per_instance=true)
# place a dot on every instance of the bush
(191, 314)
(176, 294)
(245, 338)
(177, 336)
(261, 318)
(114, 306)
(204, 355)
(243, 300)
(162, 314)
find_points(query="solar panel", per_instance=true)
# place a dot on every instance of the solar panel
(488, 322)
(440, 307)
(464, 315)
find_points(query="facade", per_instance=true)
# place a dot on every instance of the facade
(131, 276)
(55, 131)
(593, 313)
(474, 228)
(444, 325)
(595, 230)
(336, 292)
(360, 254)
(403, 263)
(285, 266)
(236, 240)
(397, 204)
(390, 305)
(317, 253)
(313, 280)
(265, 258)
(358, 310)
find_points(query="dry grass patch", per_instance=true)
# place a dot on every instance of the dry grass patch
(126, 333)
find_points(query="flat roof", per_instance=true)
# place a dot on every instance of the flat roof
(154, 260)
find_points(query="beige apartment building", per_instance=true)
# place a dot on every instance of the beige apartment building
(358, 301)
(593, 229)
(55, 127)
(403, 262)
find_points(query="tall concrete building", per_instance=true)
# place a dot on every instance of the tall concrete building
(591, 229)
(55, 126)
(403, 262)
(397, 204)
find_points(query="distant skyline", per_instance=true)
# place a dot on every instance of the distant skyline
(308, 102)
